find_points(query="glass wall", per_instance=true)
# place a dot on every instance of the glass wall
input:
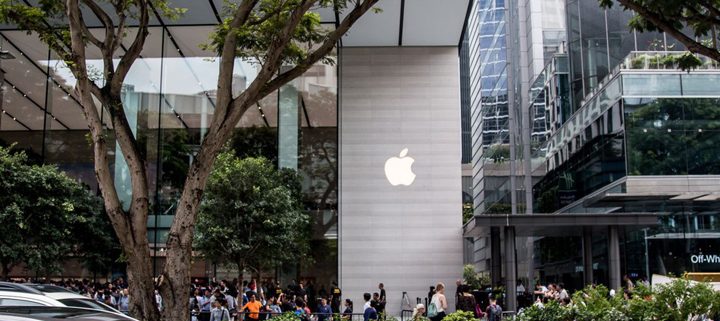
(669, 136)
(169, 97)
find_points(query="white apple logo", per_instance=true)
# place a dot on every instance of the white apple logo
(398, 170)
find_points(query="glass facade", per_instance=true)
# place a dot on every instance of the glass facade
(489, 105)
(169, 98)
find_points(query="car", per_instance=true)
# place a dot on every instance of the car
(40, 313)
(41, 295)
(70, 298)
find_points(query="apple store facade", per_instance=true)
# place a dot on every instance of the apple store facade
(375, 138)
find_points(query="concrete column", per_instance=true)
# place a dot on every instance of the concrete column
(495, 259)
(614, 258)
(587, 255)
(510, 270)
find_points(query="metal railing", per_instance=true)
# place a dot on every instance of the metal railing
(241, 315)
(664, 60)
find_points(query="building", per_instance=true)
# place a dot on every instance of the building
(627, 183)
(395, 87)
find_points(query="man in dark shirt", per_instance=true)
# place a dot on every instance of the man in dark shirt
(324, 310)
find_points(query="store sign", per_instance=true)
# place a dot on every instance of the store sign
(704, 258)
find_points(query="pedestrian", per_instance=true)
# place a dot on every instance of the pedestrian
(205, 306)
(274, 307)
(438, 303)
(219, 312)
(370, 313)
(124, 302)
(562, 293)
(494, 310)
(466, 301)
(382, 300)
(324, 310)
(253, 307)
(347, 314)
(418, 312)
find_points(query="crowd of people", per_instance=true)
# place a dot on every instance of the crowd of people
(233, 300)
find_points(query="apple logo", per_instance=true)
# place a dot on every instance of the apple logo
(398, 170)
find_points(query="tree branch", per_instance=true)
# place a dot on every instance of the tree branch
(325, 49)
(134, 51)
(667, 27)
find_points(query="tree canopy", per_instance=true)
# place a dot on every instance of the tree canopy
(252, 215)
(46, 215)
(694, 23)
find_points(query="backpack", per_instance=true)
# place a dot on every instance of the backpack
(496, 314)
(432, 310)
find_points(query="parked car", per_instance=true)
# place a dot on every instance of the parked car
(40, 295)
(70, 298)
(40, 313)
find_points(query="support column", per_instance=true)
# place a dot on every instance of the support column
(510, 270)
(614, 258)
(495, 263)
(587, 256)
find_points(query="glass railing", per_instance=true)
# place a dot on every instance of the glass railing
(664, 60)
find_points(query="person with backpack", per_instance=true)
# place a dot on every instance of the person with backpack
(438, 304)
(494, 311)
(219, 312)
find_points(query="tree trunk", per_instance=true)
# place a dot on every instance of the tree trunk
(5, 271)
(142, 288)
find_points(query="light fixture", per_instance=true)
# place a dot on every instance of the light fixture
(4, 54)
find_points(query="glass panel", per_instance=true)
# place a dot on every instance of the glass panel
(651, 85)
(701, 84)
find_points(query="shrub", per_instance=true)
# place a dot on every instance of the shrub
(461, 316)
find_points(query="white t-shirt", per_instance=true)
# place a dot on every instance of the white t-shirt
(366, 306)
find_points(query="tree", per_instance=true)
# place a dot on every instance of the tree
(46, 215)
(271, 33)
(251, 215)
(702, 17)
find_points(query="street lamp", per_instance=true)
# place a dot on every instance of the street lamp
(4, 55)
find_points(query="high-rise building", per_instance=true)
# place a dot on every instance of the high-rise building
(622, 154)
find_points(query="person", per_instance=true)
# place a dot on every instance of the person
(347, 314)
(494, 311)
(562, 293)
(466, 301)
(418, 312)
(540, 290)
(520, 288)
(430, 293)
(219, 312)
(324, 310)
(205, 306)
(628, 283)
(458, 292)
(371, 312)
(367, 298)
(124, 302)
(274, 307)
(335, 296)
(253, 307)
(440, 303)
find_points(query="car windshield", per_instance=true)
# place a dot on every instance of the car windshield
(45, 288)
(86, 303)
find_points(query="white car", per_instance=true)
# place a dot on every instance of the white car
(35, 295)
(70, 298)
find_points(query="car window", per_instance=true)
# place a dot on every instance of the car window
(86, 303)
(19, 303)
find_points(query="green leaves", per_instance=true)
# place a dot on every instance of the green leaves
(251, 215)
(45, 215)
(680, 300)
